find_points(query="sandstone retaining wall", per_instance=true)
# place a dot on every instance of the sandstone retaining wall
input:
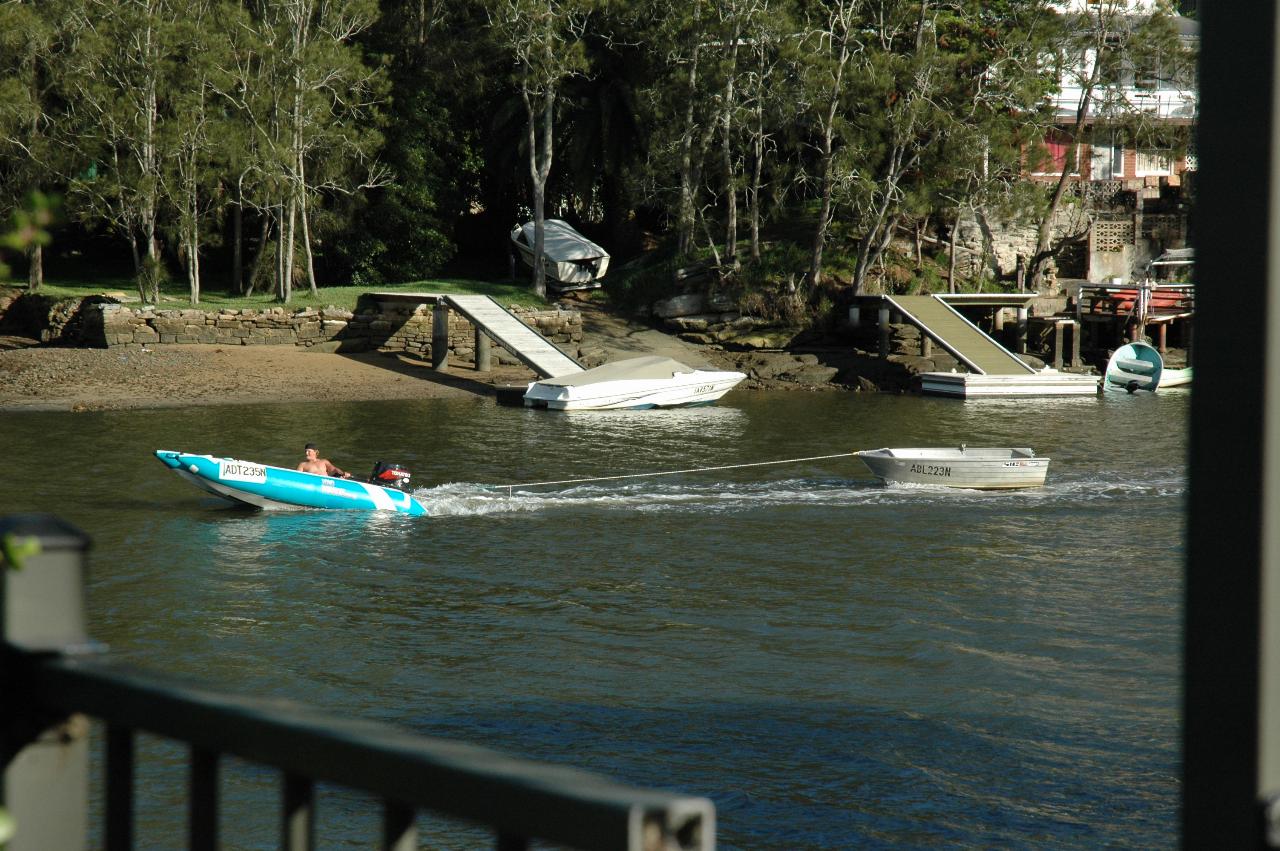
(96, 322)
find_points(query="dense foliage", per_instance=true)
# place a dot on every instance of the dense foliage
(272, 143)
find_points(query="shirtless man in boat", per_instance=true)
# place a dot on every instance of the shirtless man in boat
(320, 466)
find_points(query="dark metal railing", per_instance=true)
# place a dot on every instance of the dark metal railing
(49, 672)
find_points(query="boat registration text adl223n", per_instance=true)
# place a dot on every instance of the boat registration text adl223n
(983, 468)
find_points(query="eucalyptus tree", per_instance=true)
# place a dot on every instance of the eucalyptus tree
(735, 18)
(192, 135)
(34, 39)
(296, 77)
(115, 81)
(332, 94)
(250, 83)
(770, 93)
(1001, 108)
(543, 39)
(832, 43)
(911, 73)
(678, 104)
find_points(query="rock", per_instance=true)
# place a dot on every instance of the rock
(721, 302)
(1033, 361)
(814, 375)
(807, 360)
(592, 357)
(690, 323)
(766, 366)
(914, 363)
(681, 305)
(767, 340)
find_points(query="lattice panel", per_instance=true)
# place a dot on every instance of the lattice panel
(1112, 236)
(1154, 225)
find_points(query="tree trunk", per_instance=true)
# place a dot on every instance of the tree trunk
(193, 261)
(758, 164)
(828, 137)
(302, 211)
(951, 263)
(286, 283)
(237, 247)
(1044, 233)
(540, 153)
(306, 249)
(35, 268)
(255, 268)
(731, 192)
(685, 215)
(824, 218)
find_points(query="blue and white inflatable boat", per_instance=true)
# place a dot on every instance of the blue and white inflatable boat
(264, 486)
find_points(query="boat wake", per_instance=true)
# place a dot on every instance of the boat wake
(464, 498)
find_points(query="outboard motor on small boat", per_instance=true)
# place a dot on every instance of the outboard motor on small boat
(389, 475)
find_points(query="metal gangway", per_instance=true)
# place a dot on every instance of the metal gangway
(496, 322)
(964, 340)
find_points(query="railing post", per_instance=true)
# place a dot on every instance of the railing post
(45, 784)
(399, 827)
(203, 815)
(299, 814)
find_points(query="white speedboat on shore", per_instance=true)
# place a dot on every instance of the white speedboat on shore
(643, 382)
(958, 467)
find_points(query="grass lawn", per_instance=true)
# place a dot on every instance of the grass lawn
(176, 297)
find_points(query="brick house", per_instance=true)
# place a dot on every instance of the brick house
(1136, 199)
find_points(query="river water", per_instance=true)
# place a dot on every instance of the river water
(833, 662)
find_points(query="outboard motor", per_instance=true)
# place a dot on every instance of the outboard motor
(389, 475)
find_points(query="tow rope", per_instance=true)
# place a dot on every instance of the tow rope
(510, 488)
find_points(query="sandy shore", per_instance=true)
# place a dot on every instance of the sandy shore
(62, 379)
(44, 378)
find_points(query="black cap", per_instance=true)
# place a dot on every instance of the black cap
(309, 446)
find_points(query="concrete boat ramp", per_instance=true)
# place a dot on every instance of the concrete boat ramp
(993, 369)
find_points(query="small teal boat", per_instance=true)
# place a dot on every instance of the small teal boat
(1133, 367)
(264, 486)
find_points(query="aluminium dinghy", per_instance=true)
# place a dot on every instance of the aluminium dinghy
(268, 487)
(958, 467)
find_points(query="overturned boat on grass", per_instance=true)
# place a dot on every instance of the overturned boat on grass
(573, 262)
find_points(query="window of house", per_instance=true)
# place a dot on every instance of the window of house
(1154, 163)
